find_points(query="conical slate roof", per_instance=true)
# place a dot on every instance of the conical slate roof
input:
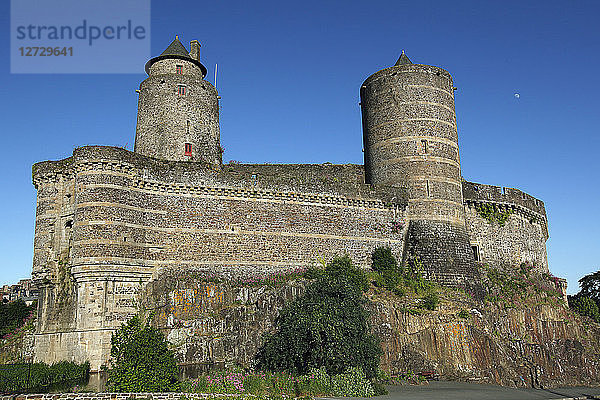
(403, 60)
(178, 51)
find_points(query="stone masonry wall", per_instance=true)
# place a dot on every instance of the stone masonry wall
(521, 239)
(110, 221)
(169, 117)
(133, 216)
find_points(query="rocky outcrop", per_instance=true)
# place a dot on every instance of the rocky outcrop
(537, 342)
(545, 344)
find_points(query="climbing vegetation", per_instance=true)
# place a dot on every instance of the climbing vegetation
(493, 214)
(402, 279)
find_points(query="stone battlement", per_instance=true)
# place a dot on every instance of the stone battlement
(503, 197)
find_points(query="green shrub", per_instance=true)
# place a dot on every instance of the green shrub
(413, 279)
(464, 314)
(430, 300)
(141, 360)
(327, 326)
(352, 383)
(40, 377)
(585, 306)
(384, 262)
(316, 382)
(342, 267)
(313, 273)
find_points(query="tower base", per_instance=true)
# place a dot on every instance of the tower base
(444, 251)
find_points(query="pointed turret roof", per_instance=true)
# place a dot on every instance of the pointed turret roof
(175, 50)
(403, 60)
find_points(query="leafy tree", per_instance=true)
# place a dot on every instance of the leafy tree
(585, 306)
(590, 287)
(13, 315)
(328, 326)
(141, 360)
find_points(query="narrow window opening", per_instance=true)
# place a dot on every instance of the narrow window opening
(427, 186)
(179, 69)
(188, 126)
(476, 254)
(69, 224)
(424, 145)
(187, 149)
(181, 90)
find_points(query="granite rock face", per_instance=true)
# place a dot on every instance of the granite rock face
(544, 345)
(221, 325)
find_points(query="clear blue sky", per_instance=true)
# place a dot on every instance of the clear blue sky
(289, 77)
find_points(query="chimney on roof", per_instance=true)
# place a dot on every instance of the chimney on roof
(195, 50)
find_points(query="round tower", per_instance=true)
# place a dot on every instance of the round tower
(178, 111)
(411, 141)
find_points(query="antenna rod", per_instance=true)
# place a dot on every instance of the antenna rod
(216, 65)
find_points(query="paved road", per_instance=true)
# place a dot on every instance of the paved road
(474, 391)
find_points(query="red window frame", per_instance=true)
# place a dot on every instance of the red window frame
(187, 149)
(179, 69)
(181, 90)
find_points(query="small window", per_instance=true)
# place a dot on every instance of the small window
(424, 145)
(181, 90)
(476, 253)
(428, 190)
(179, 69)
(188, 149)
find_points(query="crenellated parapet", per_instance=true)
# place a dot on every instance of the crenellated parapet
(507, 198)
(520, 238)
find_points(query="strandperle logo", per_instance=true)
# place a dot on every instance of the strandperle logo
(79, 36)
(89, 33)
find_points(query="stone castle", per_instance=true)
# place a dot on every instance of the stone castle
(110, 221)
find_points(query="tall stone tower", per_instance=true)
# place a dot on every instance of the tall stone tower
(411, 140)
(178, 111)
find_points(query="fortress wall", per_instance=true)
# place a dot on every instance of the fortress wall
(521, 239)
(514, 198)
(135, 216)
(52, 242)
(157, 223)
